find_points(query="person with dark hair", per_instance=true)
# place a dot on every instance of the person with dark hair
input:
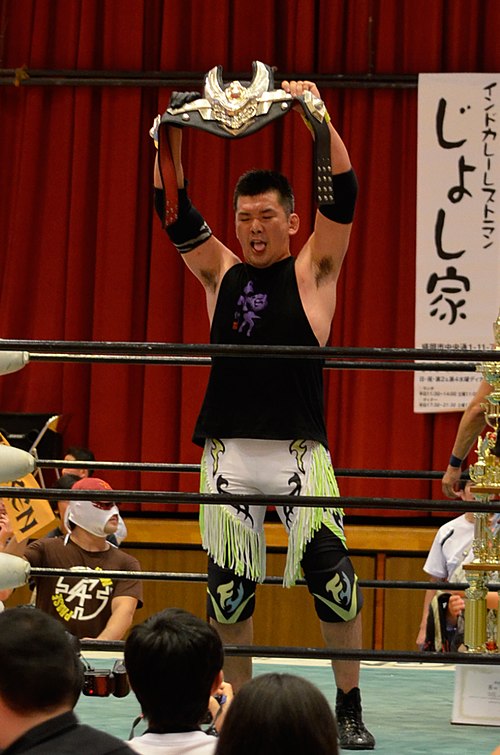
(256, 182)
(262, 424)
(174, 664)
(278, 714)
(41, 679)
(64, 482)
(442, 624)
(78, 453)
(89, 607)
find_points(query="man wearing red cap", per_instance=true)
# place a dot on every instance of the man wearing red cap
(89, 607)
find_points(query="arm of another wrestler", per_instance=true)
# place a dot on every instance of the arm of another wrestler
(210, 260)
(319, 262)
(471, 425)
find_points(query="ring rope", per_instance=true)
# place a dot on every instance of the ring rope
(45, 571)
(206, 362)
(134, 466)
(157, 496)
(268, 651)
(130, 348)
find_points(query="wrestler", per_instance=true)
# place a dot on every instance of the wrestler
(262, 422)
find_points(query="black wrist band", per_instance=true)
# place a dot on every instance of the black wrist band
(455, 462)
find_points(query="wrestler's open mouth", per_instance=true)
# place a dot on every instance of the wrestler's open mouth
(258, 245)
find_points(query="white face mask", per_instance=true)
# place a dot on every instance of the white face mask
(90, 517)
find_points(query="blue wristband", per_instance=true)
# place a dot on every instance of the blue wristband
(455, 462)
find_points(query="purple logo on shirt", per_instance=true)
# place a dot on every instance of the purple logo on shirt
(249, 304)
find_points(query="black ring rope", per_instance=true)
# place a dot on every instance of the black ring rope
(148, 576)
(130, 348)
(173, 361)
(165, 497)
(135, 466)
(269, 651)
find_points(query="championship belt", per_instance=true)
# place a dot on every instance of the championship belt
(236, 110)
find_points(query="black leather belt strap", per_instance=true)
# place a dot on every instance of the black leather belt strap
(168, 177)
(323, 182)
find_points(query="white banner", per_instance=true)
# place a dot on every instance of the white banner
(458, 234)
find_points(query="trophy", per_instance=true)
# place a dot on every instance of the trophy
(238, 109)
(485, 474)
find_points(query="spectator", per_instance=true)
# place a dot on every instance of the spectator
(66, 482)
(40, 682)
(174, 662)
(278, 714)
(93, 608)
(77, 453)
(441, 626)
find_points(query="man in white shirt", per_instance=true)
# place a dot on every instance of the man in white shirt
(174, 663)
(451, 548)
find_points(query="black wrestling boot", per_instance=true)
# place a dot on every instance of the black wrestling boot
(353, 734)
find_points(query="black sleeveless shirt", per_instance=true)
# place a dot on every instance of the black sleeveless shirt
(262, 397)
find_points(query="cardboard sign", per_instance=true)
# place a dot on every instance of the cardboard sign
(27, 517)
(477, 695)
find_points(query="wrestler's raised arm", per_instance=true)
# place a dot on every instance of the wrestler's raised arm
(319, 262)
(206, 256)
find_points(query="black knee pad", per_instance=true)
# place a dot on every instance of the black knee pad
(230, 598)
(331, 578)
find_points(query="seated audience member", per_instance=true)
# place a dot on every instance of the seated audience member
(40, 682)
(77, 453)
(93, 607)
(441, 627)
(278, 714)
(66, 482)
(174, 663)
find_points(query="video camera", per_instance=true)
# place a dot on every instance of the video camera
(101, 682)
(105, 682)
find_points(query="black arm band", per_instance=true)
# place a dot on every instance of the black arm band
(190, 229)
(345, 190)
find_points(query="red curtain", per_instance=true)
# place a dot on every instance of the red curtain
(82, 256)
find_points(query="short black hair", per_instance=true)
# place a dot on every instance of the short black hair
(277, 714)
(64, 482)
(39, 668)
(172, 660)
(255, 182)
(464, 479)
(79, 453)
